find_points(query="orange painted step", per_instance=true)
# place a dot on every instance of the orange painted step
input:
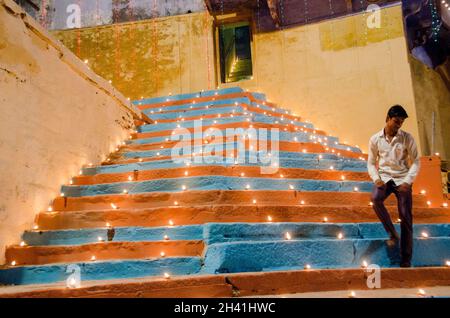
(39, 255)
(217, 197)
(152, 217)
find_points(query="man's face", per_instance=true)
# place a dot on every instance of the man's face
(394, 124)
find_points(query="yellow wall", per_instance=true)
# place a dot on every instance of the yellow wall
(56, 115)
(431, 95)
(152, 57)
(333, 73)
(337, 76)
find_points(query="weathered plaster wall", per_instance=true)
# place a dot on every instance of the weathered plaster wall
(338, 74)
(150, 58)
(56, 115)
(431, 95)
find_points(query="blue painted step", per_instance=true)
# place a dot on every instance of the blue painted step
(163, 99)
(214, 183)
(122, 234)
(232, 232)
(281, 136)
(346, 164)
(253, 256)
(100, 270)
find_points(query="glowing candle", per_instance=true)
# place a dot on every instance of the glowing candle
(364, 264)
(325, 219)
(115, 207)
(287, 236)
(302, 202)
(13, 263)
(307, 266)
(269, 218)
(166, 238)
(352, 294)
(254, 201)
(162, 254)
(340, 236)
(22, 244)
(247, 186)
(424, 235)
(171, 223)
(93, 258)
(183, 187)
(166, 275)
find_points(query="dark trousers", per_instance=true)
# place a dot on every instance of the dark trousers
(404, 201)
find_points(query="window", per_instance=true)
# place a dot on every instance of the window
(235, 52)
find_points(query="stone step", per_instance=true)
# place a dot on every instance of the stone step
(239, 212)
(115, 234)
(281, 136)
(100, 270)
(180, 97)
(39, 255)
(218, 121)
(210, 232)
(298, 147)
(302, 162)
(221, 197)
(240, 284)
(237, 171)
(278, 255)
(212, 182)
(257, 232)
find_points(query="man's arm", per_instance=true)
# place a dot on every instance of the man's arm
(414, 156)
(372, 160)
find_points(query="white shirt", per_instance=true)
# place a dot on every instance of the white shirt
(398, 160)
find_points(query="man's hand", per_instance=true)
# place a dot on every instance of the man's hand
(404, 187)
(379, 183)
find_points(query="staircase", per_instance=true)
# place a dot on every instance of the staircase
(142, 218)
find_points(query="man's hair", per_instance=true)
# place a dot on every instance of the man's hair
(397, 111)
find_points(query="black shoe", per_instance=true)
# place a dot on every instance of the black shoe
(405, 264)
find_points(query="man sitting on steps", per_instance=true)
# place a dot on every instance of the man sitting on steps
(398, 164)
